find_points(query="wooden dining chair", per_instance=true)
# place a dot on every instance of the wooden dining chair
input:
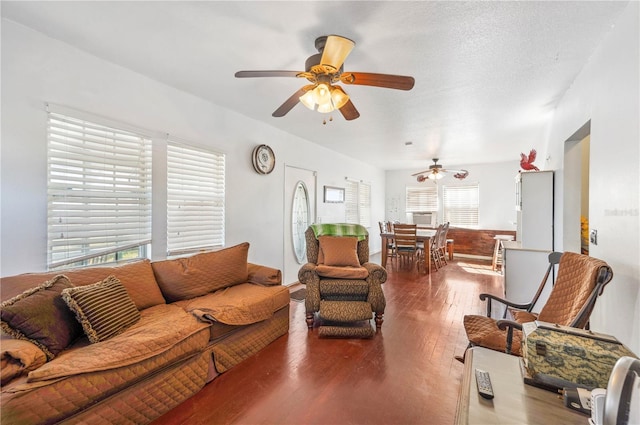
(404, 236)
(435, 249)
(386, 227)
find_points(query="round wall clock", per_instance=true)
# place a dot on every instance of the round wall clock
(264, 160)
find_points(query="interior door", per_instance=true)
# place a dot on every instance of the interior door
(299, 212)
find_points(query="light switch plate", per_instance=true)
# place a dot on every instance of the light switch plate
(593, 237)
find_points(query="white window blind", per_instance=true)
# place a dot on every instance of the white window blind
(351, 202)
(99, 190)
(195, 198)
(422, 199)
(358, 202)
(461, 205)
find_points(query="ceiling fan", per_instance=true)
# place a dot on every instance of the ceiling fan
(436, 172)
(324, 70)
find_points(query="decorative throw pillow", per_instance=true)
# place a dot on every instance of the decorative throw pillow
(39, 315)
(104, 309)
(190, 277)
(339, 250)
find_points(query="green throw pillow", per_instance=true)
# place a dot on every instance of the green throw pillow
(39, 315)
(104, 309)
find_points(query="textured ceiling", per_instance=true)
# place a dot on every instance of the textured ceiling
(488, 74)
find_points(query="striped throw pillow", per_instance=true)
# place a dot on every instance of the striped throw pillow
(104, 309)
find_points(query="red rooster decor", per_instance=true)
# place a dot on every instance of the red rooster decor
(526, 163)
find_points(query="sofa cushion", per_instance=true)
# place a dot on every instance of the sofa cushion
(41, 316)
(339, 251)
(238, 305)
(137, 278)
(104, 309)
(190, 277)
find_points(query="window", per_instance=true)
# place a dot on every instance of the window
(358, 202)
(422, 199)
(99, 192)
(461, 205)
(195, 199)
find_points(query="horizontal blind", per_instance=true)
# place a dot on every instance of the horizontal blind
(351, 202)
(364, 204)
(422, 199)
(195, 198)
(99, 189)
(461, 205)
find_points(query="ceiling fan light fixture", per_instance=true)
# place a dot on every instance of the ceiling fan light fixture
(435, 176)
(308, 100)
(325, 108)
(338, 97)
(322, 94)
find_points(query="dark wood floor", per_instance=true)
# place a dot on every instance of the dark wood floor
(406, 374)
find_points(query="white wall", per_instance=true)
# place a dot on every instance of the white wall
(607, 93)
(497, 192)
(37, 69)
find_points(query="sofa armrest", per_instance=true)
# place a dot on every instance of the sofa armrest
(19, 356)
(264, 275)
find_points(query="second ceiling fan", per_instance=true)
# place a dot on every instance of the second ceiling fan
(436, 172)
(324, 70)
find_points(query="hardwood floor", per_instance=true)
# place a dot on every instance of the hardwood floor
(406, 374)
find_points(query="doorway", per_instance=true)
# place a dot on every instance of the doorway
(575, 236)
(299, 213)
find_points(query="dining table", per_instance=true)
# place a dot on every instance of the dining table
(423, 235)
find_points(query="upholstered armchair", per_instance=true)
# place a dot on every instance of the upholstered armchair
(581, 279)
(343, 287)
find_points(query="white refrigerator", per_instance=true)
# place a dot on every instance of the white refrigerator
(525, 260)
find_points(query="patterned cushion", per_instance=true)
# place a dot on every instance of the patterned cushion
(339, 251)
(39, 315)
(104, 309)
(190, 277)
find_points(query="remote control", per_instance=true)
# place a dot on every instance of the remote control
(484, 384)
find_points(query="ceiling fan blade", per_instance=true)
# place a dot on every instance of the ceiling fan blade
(290, 103)
(421, 172)
(399, 82)
(349, 112)
(256, 74)
(335, 51)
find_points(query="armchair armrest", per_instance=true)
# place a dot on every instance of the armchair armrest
(263, 275)
(491, 297)
(377, 273)
(377, 276)
(307, 275)
(509, 325)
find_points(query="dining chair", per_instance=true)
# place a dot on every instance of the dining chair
(442, 244)
(435, 248)
(404, 236)
(386, 227)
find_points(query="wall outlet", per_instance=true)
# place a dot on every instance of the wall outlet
(593, 237)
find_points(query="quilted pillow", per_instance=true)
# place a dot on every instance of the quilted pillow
(339, 251)
(190, 277)
(39, 315)
(104, 309)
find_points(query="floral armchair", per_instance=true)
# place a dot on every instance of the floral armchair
(343, 287)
